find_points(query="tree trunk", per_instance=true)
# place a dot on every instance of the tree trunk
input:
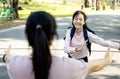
(114, 4)
(93, 4)
(98, 5)
(104, 4)
(15, 5)
(87, 4)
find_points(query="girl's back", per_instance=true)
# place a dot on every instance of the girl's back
(61, 68)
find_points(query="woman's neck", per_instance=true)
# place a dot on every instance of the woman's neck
(79, 30)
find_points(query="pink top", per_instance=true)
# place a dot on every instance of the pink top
(77, 41)
(20, 67)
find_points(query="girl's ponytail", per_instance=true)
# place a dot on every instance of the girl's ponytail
(41, 54)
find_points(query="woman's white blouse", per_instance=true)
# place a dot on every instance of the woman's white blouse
(77, 41)
(20, 67)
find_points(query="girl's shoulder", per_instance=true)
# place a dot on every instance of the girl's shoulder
(15, 59)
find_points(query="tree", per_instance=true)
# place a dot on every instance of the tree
(15, 5)
(103, 2)
(87, 3)
(98, 5)
(114, 4)
(94, 4)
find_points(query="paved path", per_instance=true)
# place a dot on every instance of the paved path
(106, 25)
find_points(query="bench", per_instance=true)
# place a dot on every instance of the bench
(7, 13)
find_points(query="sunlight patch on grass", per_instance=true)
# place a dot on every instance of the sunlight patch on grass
(58, 10)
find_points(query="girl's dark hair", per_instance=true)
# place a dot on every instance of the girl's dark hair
(85, 18)
(40, 30)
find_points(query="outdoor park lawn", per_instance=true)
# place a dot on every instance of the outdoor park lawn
(56, 9)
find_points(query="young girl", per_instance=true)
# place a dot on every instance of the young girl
(76, 47)
(40, 31)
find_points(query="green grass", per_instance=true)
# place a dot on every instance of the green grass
(57, 10)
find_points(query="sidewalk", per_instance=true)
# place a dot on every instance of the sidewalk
(109, 72)
(109, 30)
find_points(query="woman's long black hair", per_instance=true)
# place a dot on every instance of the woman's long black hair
(85, 18)
(40, 30)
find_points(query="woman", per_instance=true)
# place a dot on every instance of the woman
(76, 45)
(40, 31)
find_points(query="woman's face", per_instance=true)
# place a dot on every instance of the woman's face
(79, 21)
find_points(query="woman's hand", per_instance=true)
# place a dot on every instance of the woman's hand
(7, 54)
(81, 47)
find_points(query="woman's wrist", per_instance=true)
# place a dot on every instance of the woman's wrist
(4, 58)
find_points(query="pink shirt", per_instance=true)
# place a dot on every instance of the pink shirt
(77, 41)
(20, 67)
